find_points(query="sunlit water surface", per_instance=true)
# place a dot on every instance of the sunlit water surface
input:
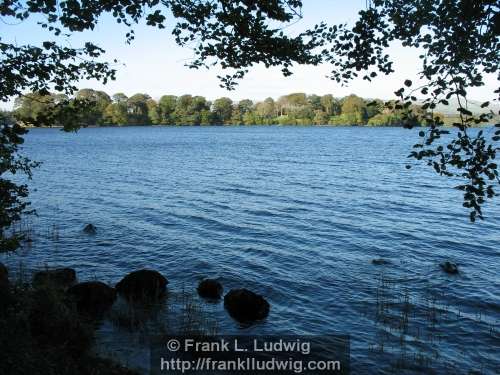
(293, 213)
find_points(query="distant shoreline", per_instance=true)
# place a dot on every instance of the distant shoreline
(243, 126)
(95, 107)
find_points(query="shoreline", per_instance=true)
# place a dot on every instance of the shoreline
(478, 126)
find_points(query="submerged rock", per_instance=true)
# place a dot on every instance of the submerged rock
(380, 261)
(90, 229)
(245, 305)
(210, 288)
(449, 267)
(142, 284)
(92, 297)
(63, 277)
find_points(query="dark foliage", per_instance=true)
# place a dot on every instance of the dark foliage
(13, 196)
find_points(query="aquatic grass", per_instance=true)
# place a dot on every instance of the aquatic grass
(21, 278)
(194, 319)
(142, 317)
(179, 313)
(53, 232)
(20, 233)
(411, 330)
(29, 228)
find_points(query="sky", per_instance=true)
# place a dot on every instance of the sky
(154, 64)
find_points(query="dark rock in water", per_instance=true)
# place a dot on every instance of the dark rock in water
(92, 297)
(142, 284)
(90, 229)
(245, 305)
(210, 288)
(449, 267)
(4, 276)
(380, 261)
(63, 277)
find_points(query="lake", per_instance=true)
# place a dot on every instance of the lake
(296, 214)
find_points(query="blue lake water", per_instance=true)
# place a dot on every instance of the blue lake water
(293, 213)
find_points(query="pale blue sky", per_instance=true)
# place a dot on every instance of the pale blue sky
(154, 64)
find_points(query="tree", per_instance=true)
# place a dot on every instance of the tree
(320, 117)
(245, 105)
(198, 106)
(386, 119)
(154, 114)
(374, 107)
(223, 110)
(314, 101)
(120, 98)
(32, 106)
(116, 113)
(98, 101)
(207, 117)
(330, 105)
(137, 107)
(166, 106)
(236, 116)
(266, 111)
(13, 202)
(182, 112)
(6, 118)
(296, 100)
(354, 109)
(296, 106)
(240, 110)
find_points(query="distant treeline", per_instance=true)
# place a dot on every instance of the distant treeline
(292, 109)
